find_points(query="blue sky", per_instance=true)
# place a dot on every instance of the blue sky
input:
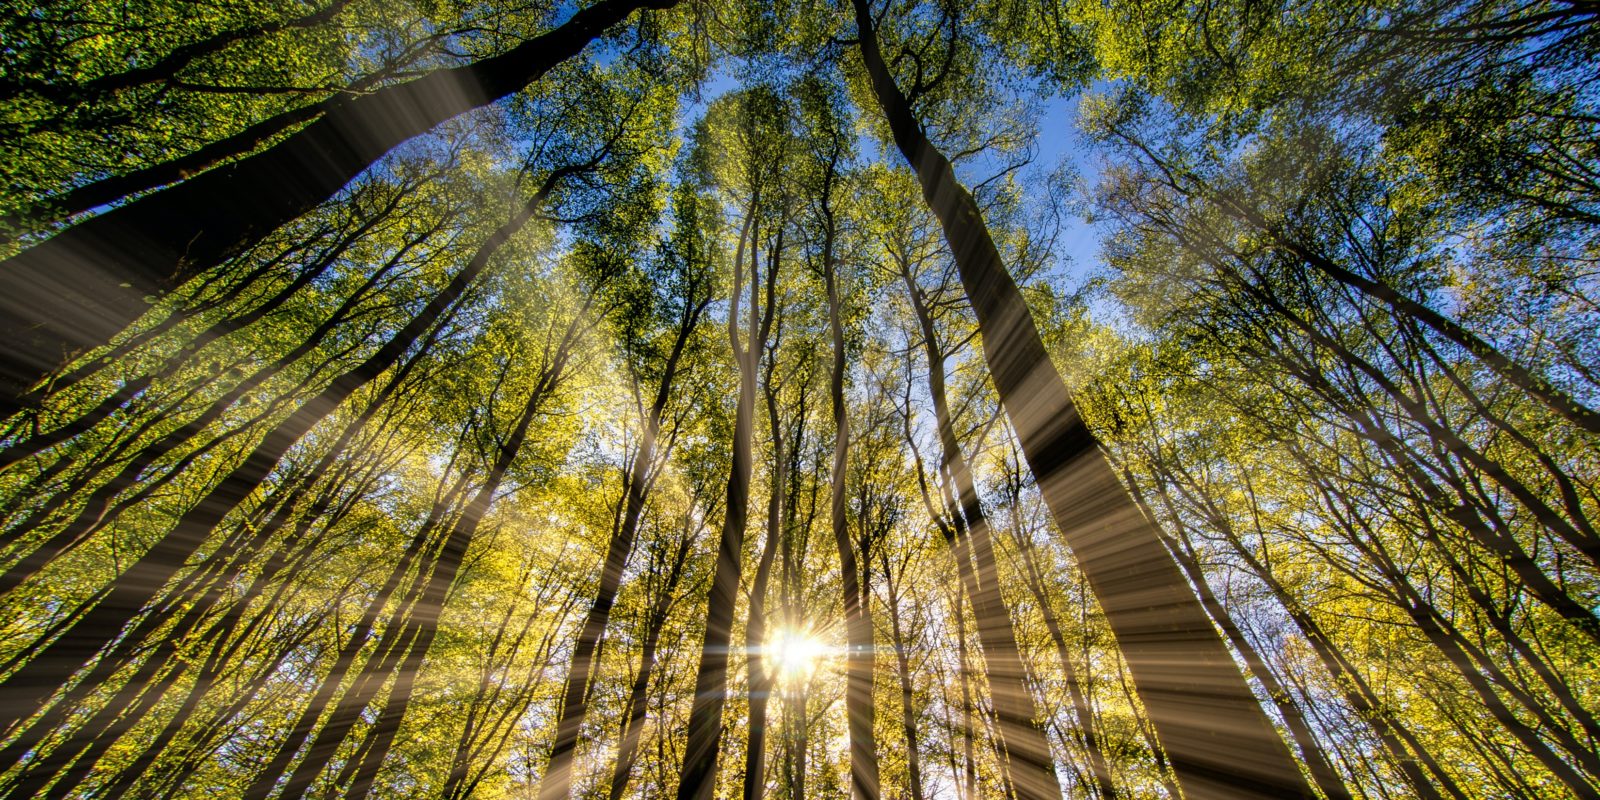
(1060, 141)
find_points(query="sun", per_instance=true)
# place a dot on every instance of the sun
(796, 654)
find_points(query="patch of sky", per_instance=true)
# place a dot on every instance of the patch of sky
(1060, 144)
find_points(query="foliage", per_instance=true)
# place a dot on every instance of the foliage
(420, 493)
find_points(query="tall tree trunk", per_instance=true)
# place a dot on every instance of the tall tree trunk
(697, 779)
(908, 712)
(78, 289)
(799, 741)
(1218, 739)
(761, 680)
(557, 780)
(859, 654)
(796, 725)
(1022, 741)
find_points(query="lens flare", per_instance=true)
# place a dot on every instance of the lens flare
(796, 654)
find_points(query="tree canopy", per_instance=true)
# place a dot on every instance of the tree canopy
(910, 399)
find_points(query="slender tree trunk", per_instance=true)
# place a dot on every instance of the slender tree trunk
(1310, 750)
(1535, 385)
(697, 779)
(799, 741)
(1237, 206)
(1392, 733)
(103, 505)
(638, 693)
(1023, 742)
(417, 558)
(290, 554)
(557, 780)
(969, 755)
(417, 618)
(908, 712)
(796, 730)
(78, 289)
(859, 656)
(1088, 726)
(1218, 739)
(761, 680)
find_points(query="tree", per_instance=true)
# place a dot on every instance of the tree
(81, 287)
(1077, 483)
(1207, 411)
(761, 122)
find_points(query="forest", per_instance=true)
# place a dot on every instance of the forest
(858, 399)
